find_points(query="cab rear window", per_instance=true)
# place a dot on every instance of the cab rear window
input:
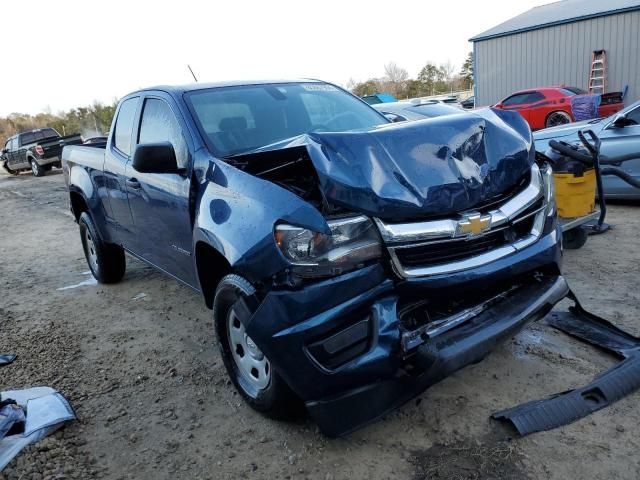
(32, 137)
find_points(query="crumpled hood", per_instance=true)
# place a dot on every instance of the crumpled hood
(417, 169)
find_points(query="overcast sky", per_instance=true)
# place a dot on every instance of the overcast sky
(63, 54)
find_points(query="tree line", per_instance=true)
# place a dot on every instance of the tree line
(431, 80)
(89, 121)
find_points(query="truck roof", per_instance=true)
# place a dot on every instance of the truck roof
(179, 89)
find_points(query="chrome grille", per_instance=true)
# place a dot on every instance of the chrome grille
(450, 245)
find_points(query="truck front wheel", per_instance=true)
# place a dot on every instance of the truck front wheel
(8, 169)
(106, 261)
(249, 369)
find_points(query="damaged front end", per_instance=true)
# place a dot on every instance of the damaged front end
(440, 242)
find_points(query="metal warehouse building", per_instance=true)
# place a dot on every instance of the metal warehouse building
(553, 45)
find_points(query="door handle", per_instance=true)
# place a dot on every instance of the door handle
(133, 183)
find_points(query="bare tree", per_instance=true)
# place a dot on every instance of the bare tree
(351, 84)
(395, 79)
(395, 73)
(447, 70)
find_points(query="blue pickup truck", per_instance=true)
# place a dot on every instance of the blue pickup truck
(349, 262)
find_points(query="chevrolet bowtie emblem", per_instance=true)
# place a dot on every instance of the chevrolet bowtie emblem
(474, 224)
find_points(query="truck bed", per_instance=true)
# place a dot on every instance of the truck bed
(52, 147)
(89, 156)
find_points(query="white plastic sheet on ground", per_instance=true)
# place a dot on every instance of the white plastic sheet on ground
(47, 411)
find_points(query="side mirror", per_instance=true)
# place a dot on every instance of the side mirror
(156, 158)
(619, 121)
(3, 151)
(394, 118)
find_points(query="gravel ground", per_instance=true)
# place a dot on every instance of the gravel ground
(138, 363)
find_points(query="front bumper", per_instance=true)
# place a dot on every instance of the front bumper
(288, 326)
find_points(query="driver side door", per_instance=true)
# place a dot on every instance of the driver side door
(159, 202)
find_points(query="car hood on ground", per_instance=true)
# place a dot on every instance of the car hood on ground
(417, 169)
(566, 130)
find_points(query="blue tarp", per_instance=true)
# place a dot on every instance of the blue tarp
(585, 107)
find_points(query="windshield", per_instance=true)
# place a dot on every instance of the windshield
(571, 91)
(436, 110)
(239, 119)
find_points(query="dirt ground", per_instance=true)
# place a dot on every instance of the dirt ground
(138, 362)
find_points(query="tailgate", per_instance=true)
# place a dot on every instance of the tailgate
(53, 147)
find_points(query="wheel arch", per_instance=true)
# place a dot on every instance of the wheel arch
(77, 202)
(211, 267)
(31, 157)
(83, 198)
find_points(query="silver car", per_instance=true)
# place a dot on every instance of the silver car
(408, 110)
(619, 134)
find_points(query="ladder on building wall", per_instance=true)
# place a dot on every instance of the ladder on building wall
(598, 74)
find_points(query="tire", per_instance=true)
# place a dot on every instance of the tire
(36, 169)
(272, 397)
(574, 238)
(557, 118)
(106, 261)
(9, 171)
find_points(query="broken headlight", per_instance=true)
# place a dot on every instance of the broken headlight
(549, 188)
(353, 242)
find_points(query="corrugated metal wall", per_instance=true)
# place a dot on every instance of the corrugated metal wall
(560, 55)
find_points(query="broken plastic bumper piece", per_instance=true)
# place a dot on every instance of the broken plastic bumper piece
(607, 388)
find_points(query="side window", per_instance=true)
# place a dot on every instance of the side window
(159, 124)
(535, 97)
(124, 125)
(518, 99)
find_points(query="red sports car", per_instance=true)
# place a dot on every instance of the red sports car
(551, 106)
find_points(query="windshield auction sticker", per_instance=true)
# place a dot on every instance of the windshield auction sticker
(319, 87)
